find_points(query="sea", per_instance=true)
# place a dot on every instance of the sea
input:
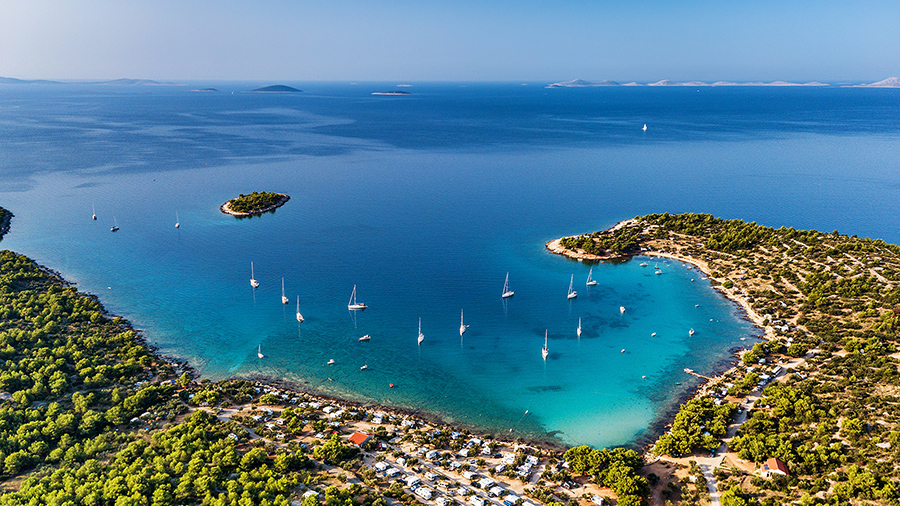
(425, 202)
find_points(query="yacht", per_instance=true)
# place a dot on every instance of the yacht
(284, 300)
(353, 305)
(365, 338)
(572, 293)
(462, 326)
(545, 351)
(506, 293)
(578, 330)
(299, 316)
(253, 282)
(591, 281)
(421, 335)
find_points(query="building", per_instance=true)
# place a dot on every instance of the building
(773, 466)
(359, 439)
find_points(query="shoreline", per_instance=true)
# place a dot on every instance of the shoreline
(226, 208)
(420, 416)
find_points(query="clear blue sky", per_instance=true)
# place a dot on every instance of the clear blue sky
(405, 40)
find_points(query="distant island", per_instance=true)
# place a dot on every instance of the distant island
(391, 93)
(891, 82)
(277, 88)
(581, 83)
(205, 90)
(254, 203)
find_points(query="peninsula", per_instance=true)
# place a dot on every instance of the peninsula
(811, 414)
(254, 204)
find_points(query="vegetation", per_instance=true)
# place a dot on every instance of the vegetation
(256, 202)
(616, 469)
(5, 217)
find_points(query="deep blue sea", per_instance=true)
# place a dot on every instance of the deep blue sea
(425, 202)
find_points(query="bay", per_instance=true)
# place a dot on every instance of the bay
(425, 202)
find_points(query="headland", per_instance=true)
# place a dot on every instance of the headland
(830, 308)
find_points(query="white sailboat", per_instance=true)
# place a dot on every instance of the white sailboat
(622, 309)
(93, 212)
(645, 127)
(545, 351)
(177, 221)
(259, 351)
(421, 335)
(462, 327)
(591, 281)
(115, 227)
(253, 282)
(691, 332)
(578, 330)
(299, 316)
(284, 300)
(572, 293)
(353, 305)
(364, 367)
(506, 293)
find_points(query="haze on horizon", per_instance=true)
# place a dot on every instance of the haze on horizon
(460, 40)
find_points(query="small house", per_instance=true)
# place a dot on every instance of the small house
(773, 466)
(359, 439)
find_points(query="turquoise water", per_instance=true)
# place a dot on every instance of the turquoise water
(425, 203)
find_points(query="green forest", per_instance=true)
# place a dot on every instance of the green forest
(256, 201)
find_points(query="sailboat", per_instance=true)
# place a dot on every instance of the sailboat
(622, 309)
(506, 293)
(364, 367)
(462, 327)
(590, 280)
(299, 316)
(284, 300)
(691, 332)
(115, 227)
(259, 351)
(253, 282)
(365, 338)
(421, 335)
(353, 305)
(93, 212)
(545, 350)
(578, 330)
(645, 127)
(177, 221)
(572, 293)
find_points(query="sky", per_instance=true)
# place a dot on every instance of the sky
(451, 40)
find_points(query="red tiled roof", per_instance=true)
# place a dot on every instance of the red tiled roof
(776, 465)
(359, 438)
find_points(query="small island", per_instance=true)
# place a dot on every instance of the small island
(278, 88)
(254, 203)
